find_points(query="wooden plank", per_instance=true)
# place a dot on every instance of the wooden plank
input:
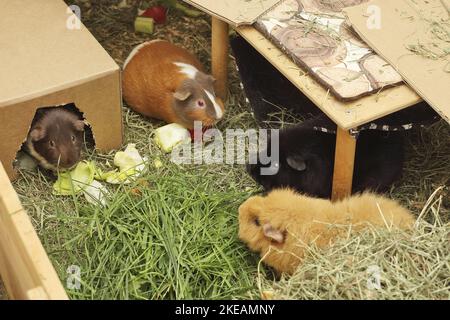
(37, 293)
(25, 268)
(346, 115)
(219, 53)
(344, 160)
(234, 12)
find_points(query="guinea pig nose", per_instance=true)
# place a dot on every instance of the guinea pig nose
(71, 164)
(67, 163)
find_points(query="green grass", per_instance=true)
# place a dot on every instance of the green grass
(170, 235)
(3, 295)
(173, 239)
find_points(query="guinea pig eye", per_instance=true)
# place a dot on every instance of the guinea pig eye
(51, 143)
(256, 222)
(73, 138)
(200, 103)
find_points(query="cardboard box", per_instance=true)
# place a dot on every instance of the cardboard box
(412, 21)
(235, 12)
(46, 60)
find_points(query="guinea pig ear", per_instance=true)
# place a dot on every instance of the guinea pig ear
(38, 133)
(182, 94)
(79, 125)
(272, 233)
(296, 163)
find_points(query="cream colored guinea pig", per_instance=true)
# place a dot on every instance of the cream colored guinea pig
(163, 81)
(287, 222)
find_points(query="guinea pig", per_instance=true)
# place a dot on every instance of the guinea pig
(282, 225)
(166, 82)
(306, 161)
(55, 139)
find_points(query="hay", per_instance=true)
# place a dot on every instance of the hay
(436, 34)
(410, 265)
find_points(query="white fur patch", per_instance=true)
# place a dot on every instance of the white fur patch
(217, 108)
(136, 50)
(187, 69)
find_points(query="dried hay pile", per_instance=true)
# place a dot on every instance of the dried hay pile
(377, 264)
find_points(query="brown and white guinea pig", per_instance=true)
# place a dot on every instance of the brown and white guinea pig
(286, 223)
(163, 81)
(55, 139)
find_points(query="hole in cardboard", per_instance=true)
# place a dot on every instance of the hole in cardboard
(26, 161)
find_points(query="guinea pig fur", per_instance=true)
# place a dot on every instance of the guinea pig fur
(166, 82)
(283, 224)
(306, 161)
(55, 139)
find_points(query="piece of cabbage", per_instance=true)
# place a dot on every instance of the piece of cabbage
(130, 164)
(73, 182)
(96, 193)
(171, 135)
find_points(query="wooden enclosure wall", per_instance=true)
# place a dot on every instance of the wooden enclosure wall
(25, 268)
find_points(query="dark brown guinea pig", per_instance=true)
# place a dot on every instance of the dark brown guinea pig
(55, 138)
(166, 82)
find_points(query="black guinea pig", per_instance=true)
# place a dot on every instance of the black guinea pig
(306, 161)
(55, 139)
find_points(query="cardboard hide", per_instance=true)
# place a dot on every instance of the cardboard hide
(48, 58)
(234, 12)
(313, 33)
(414, 37)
